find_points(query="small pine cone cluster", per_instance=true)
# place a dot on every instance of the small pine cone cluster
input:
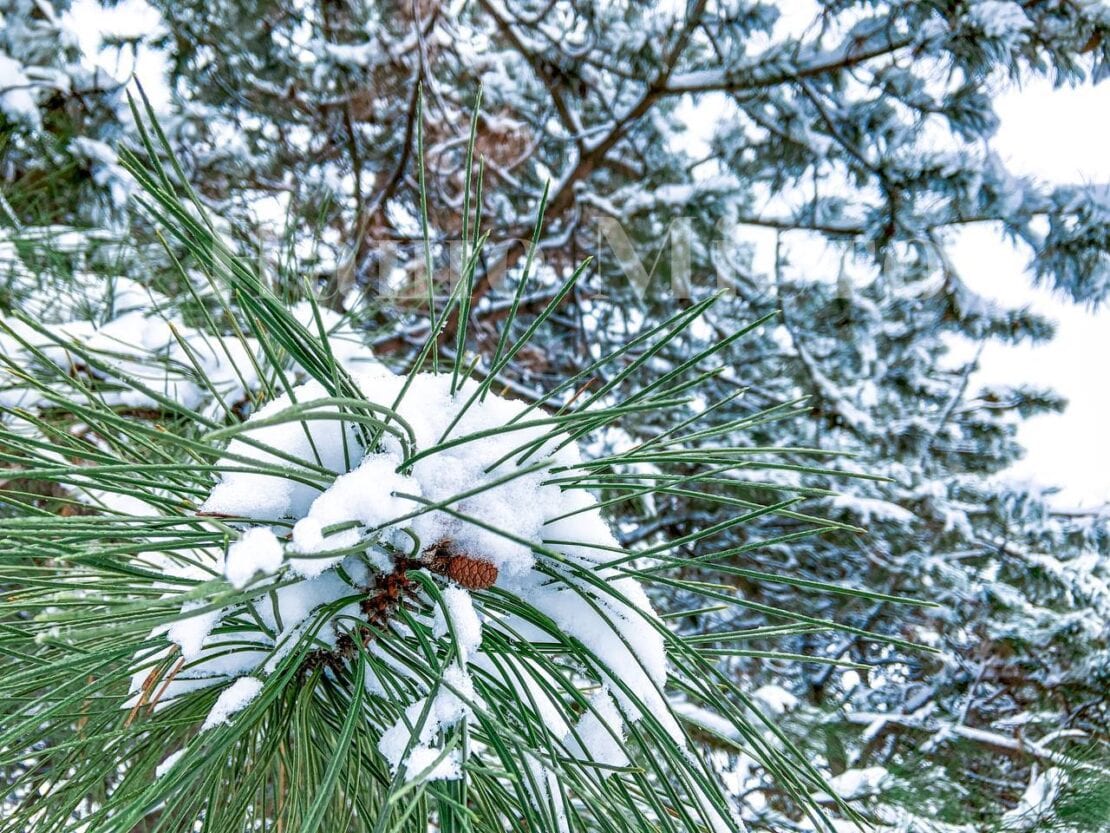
(390, 590)
(465, 570)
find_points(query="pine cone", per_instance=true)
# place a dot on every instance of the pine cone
(466, 571)
(471, 573)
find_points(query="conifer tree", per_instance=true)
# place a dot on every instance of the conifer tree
(254, 578)
(865, 128)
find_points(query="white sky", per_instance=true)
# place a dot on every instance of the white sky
(1057, 136)
(1054, 135)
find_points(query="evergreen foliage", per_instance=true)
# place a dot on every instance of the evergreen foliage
(327, 145)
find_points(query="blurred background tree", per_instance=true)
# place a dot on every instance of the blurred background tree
(863, 127)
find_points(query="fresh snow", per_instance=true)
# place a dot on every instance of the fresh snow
(258, 551)
(458, 615)
(409, 743)
(192, 629)
(599, 735)
(775, 699)
(1002, 19)
(312, 508)
(857, 783)
(169, 763)
(866, 510)
(313, 516)
(16, 99)
(232, 700)
(1034, 808)
(151, 355)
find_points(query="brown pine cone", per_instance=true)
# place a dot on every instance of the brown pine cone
(471, 573)
(466, 571)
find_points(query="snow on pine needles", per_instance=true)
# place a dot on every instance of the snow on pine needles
(131, 337)
(331, 535)
(415, 551)
(247, 552)
(342, 528)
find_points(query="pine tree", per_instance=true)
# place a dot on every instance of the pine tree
(330, 596)
(59, 122)
(866, 128)
(869, 125)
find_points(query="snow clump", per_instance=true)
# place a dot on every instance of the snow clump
(332, 516)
